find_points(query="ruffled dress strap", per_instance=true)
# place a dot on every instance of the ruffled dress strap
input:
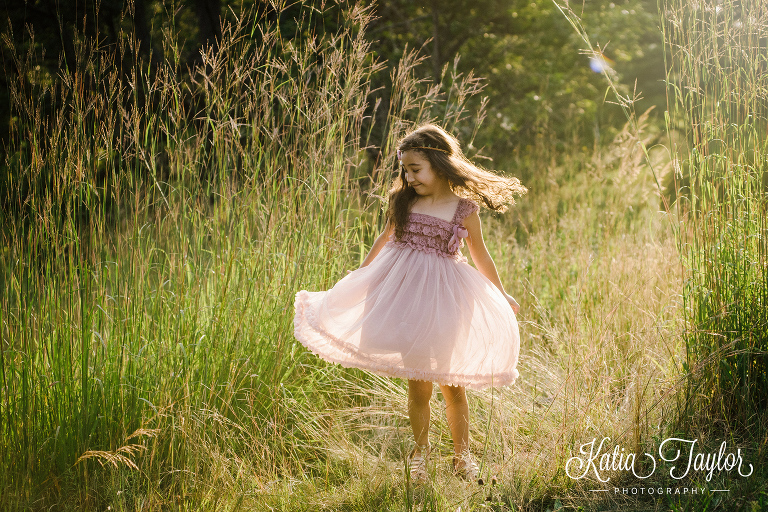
(463, 209)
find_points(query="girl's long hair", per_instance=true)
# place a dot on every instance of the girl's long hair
(447, 160)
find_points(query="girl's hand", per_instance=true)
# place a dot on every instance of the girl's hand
(512, 302)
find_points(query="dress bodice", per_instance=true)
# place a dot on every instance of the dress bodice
(437, 236)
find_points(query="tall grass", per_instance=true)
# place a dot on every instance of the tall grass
(715, 208)
(600, 292)
(161, 224)
(157, 225)
(717, 74)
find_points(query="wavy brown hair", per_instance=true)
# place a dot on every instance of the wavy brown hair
(448, 161)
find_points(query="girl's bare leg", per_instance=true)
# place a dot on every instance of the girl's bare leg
(457, 410)
(419, 394)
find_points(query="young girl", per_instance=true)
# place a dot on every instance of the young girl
(415, 309)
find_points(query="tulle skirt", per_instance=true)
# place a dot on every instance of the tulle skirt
(414, 315)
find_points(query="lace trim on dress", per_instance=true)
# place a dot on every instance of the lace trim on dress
(421, 227)
(438, 236)
(416, 245)
(429, 220)
(305, 325)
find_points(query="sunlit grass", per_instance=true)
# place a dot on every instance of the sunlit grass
(717, 75)
(161, 226)
(155, 250)
(715, 199)
(152, 252)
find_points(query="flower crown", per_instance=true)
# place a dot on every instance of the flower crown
(400, 151)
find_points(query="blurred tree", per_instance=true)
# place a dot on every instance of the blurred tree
(540, 86)
(539, 82)
(48, 32)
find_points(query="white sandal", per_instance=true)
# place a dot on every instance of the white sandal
(468, 470)
(417, 464)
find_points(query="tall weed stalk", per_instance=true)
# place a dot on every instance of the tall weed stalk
(717, 76)
(717, 73)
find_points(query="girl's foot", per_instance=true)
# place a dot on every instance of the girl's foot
(466, 468)
(417, 464)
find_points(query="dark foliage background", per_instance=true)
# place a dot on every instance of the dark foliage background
(542, 94)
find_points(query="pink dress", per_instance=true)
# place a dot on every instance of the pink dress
(417, 311)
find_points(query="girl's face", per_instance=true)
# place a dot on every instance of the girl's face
(420, 175)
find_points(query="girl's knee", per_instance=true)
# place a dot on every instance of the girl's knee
(419, 391)
(454, 395)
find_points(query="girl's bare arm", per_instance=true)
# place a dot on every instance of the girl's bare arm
(482, 259)
(378, 244)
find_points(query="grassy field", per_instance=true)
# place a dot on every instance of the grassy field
(150, 257)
